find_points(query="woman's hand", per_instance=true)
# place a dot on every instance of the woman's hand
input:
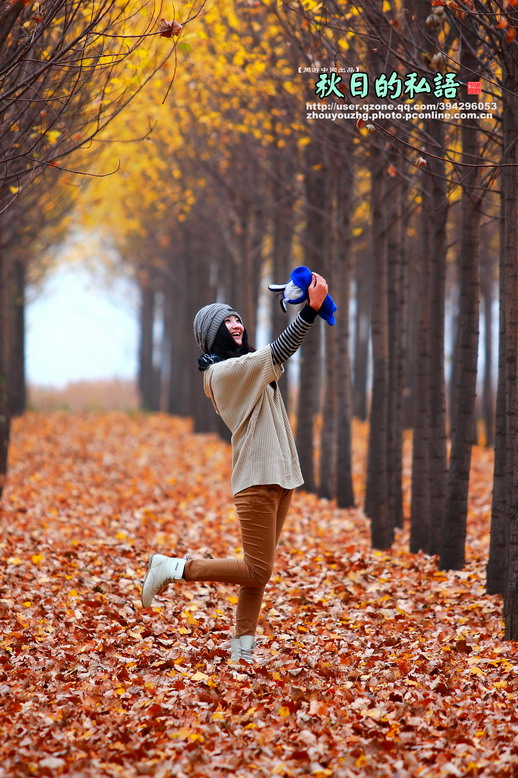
(317, 291)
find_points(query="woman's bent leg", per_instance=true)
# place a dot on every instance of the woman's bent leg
(258, 510)
(262, 511)
(250, 600)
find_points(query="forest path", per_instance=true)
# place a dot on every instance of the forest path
(376, 663)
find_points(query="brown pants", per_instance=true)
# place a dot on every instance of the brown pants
(262, 511)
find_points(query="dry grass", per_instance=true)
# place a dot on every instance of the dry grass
(102, 395)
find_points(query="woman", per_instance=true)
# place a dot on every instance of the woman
(242, 384)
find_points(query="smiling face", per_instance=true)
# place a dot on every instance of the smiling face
(236, 329)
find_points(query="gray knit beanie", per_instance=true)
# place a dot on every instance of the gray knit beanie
(207, 323)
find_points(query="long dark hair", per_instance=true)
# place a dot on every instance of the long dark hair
(225, 347)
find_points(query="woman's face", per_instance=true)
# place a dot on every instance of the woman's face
(236, 329)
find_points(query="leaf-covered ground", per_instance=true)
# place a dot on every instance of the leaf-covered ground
(374, 663)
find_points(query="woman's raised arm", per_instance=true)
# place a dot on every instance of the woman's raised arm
(286, 344)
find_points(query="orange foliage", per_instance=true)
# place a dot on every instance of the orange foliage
(375, 664)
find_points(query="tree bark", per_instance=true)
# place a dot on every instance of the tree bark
(361, 336)
(16, 339)
(420, 497)
(429, 443)
(437, 393)
(283, 225)
(204, 275)
(412, 324)
(5, 419)
(496, 572)
(510, 198)
(146, 380)
(487, 390)
(396, 267)
(376, 494)
(309, 382)
(328, 442)
(344, 467)
(331, 334)
(454, 529)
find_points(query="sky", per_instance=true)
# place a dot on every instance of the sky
(79, 329)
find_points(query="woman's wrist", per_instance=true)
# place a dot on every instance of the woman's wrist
(308, 313)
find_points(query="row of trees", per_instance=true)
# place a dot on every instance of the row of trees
(230, 185)
(67, 69)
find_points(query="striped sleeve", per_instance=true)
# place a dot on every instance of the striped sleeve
(290, 339)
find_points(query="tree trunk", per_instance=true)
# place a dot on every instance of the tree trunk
(420, 497)
(361, 336)
(172, 332)
(344, 468)
(412, 324)
(16, 339)
(327, 476)
(5, 421)
(178, 326)
(283, 225)
(454, 327)
(328, 435)
(510, 197)
(376, 494)
(309, 382)
(203, 278)
(454, 528)
(146, 345)
(251, 269)
(487, 390)
(250, 259)
(396, 266)
(429, 444)
(402, 286)
(496, 573)
(437, 393)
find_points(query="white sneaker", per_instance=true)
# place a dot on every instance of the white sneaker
(161, 570)
(241, 648)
